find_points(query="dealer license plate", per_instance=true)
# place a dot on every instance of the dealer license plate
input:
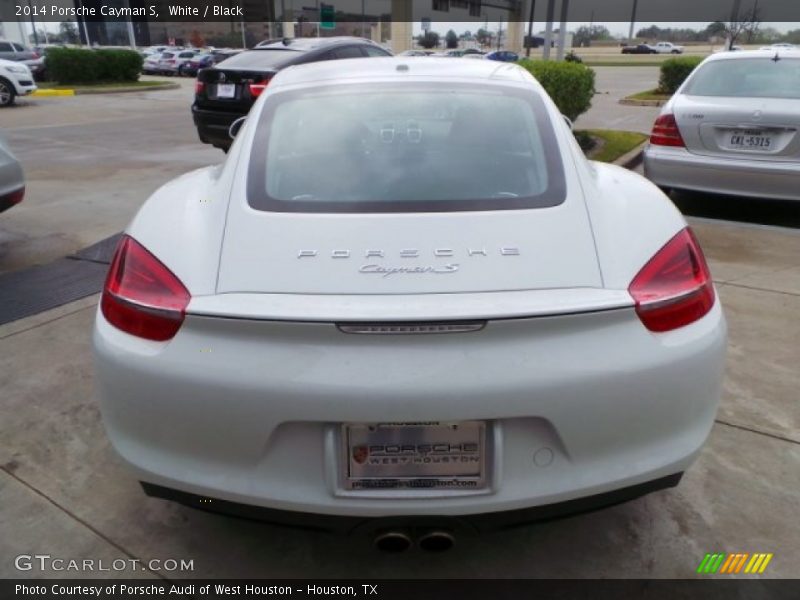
(226, 90)
(750, 139)
(421, 456)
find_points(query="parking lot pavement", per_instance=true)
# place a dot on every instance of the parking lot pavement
(613, 83)
(90, 162)
(93, 160)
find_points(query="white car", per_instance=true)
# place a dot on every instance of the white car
(668, 48)
(359, 316)
(16, 79)
(733, 127)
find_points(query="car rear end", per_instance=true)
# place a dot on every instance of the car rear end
(226, 92)
(394, 326)
(12, 179)
(733, 128)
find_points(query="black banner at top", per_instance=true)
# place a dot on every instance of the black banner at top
(329, 12)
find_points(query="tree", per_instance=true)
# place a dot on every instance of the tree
(451, 39)
(484, 37)
(68, 32)
(745, 23)
(197, 40)
(585, 35)
(716, 29)
(428, 40)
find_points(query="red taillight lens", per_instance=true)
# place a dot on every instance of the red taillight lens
(666, 133)
(674, 288)
(12, 198)
(199, 87)
(141, 296)
(257, 88)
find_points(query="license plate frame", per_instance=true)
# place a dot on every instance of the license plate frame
(417, 458)
(226, 91)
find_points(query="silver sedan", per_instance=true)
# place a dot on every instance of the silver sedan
(12, 180)
(733, 127)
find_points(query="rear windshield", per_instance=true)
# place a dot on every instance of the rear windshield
(747, 78)
(260, 59)
(402, 148)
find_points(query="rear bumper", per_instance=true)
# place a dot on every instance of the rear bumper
(249, 411)
(346, 525)
(679, 168)
(212, 125)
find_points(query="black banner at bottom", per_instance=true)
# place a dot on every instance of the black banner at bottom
(437, 589)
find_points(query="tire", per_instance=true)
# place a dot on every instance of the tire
(7, 92)
(181, 72)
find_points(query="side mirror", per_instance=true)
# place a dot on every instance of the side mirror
(233, 130)
(568, 121)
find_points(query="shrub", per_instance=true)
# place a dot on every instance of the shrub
(674, 72)
(569, 84)
(74, 65)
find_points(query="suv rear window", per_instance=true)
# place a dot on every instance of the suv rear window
(747, 78)
(430, 147)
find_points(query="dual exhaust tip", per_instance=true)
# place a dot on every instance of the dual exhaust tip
(397, 541)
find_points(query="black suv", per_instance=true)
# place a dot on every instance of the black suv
(227, 91)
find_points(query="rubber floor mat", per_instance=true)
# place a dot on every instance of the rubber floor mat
(37, 289)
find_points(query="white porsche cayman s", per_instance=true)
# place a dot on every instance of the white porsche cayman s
(406, 292)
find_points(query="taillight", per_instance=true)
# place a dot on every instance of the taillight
(674, 288)
(199, 87)
(12, 198)
(141, 296)
(666, 133)
(257, 88)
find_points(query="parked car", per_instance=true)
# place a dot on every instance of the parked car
(226, 92)
(150, 65)
(503, 56)
(16, 52)
(12, 179)
(173, 62)
(16, 79)
(668, 48)
(733, 127)
(639, 49)
(386, 304)
(781, 46)
(206, 59)
(37, 67)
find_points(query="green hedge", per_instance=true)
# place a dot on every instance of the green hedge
(674, 72)
(570, 84)
(74, 65)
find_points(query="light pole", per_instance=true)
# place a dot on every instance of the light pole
(633, 21)
(530, 29)
(548, 36)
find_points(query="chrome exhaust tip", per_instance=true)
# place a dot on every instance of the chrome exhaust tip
(437, 541)
(393, 542)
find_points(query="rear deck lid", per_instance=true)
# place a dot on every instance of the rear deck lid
(406, 189)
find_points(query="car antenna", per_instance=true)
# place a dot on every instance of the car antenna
(287, 41)
(776, 58)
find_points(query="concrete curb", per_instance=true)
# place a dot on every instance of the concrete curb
(636, 102)
(54, 93)
(631, 160)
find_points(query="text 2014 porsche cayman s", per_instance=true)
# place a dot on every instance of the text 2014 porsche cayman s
(407, 292)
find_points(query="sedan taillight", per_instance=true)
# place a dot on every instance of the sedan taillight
(141, 296)
(199, 87)
(674, 288)
(666, 133)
